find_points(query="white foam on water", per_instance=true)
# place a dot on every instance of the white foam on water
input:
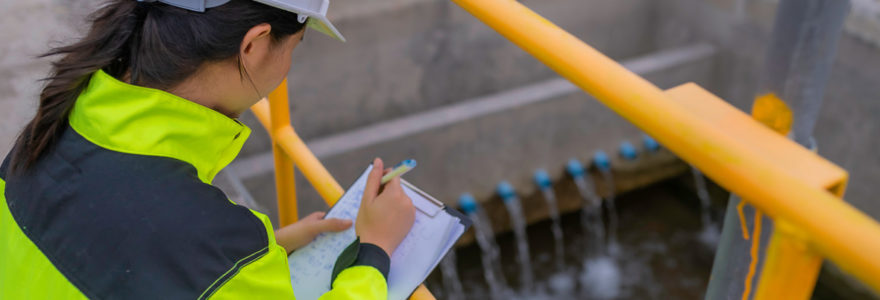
(601, 278)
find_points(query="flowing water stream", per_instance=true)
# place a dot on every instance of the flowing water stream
(518, 222)
(491, 257)
(451, 282)
(542, 179)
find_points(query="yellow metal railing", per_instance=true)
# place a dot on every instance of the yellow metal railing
(796, 187)
(289, 150)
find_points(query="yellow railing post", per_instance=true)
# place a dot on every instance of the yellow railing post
(798, 64)
(791, 265)
(285, 183)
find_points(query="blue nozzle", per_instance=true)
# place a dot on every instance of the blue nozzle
(601, 160)
(628, 151)
(574, 168)
(506, 191)
(467, 203)
(650, 143)
(542, 179)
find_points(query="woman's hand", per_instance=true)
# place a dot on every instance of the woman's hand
(386, 214)
(299, 234)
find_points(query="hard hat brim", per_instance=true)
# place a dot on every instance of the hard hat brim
(315, 10)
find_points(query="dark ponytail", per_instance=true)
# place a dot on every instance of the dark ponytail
(147, 44)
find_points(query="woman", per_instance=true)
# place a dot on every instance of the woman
(107, 191)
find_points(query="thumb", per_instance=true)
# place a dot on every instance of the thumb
(393, 186)
(332, 225)
(374, 180)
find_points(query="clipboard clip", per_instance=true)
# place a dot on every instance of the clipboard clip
(433, 205)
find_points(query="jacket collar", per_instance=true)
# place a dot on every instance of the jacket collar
(138, 120)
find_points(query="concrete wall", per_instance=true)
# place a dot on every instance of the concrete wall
(474, 154)
(28, 28)
(425, 54)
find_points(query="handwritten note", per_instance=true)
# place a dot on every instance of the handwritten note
(432, 235)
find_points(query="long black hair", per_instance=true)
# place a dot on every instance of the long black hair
(149, 44)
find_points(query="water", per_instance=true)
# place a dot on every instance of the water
(657, 259)
(608, 178)
(591, 216)
(491, 255)
(522, 242)
(556, 228)
(710, 234)
(601, 278)
(451, 282)
(562, 282)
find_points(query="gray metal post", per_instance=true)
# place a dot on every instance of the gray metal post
(797, 67)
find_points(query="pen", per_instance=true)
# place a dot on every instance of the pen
(399, 170)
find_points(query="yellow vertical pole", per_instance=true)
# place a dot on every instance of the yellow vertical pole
(790, 266)
(285, 183)
(799, 60)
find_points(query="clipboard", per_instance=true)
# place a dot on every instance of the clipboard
(435, 230)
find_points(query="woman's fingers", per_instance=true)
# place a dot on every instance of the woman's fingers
(401, 199)
(392, 187)
(332, 225)
(373, 181)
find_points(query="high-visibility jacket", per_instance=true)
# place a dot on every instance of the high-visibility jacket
(122, 207)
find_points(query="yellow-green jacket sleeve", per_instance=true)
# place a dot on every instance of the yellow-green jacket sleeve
(267, 277)
(361, 272)
(358, 282)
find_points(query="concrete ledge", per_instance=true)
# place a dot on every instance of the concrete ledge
(649, 169)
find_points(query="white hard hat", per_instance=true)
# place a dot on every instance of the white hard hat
(315, 11)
